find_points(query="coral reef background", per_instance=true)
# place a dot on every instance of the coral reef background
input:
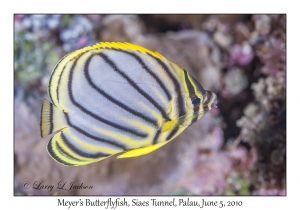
(237, 149)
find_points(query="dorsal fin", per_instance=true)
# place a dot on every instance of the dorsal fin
(126, 46)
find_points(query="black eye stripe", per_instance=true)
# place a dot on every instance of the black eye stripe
(196, 101)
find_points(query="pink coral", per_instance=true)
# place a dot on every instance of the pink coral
(241, 54)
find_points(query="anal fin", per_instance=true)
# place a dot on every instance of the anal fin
(62, 149)
(183, 121)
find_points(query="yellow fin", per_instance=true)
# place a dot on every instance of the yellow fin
(52, 119)
(126, 46)
(183, 121)
(141, 151)
(168, 125)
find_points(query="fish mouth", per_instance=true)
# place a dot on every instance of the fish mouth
(210, 101)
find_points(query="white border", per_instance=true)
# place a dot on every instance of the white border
(154, 6)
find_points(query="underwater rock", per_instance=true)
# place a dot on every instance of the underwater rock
(264, 128)
(241, 54)
(235, 81)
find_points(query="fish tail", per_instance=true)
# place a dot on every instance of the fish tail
(52, 119)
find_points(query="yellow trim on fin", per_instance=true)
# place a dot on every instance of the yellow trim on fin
(126, 46)
(141, 151)
(168, 125)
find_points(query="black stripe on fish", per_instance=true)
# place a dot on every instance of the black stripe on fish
(79, 152)
(199, 86)
(57, 87)
(180, 100)
(155, 138)
(145, 67)
(51, 152)
(195, 117)
(172, 133)
(50, 81)
(64, 153)
(89, 113)
(133, 84)
(207, 100)
(192, 93)
(189, 85)
(51, 117)
(122, 146)
(113, 100)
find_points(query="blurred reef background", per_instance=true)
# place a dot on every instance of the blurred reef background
(237, 149)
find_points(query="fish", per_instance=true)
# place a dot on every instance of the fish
(118, 98)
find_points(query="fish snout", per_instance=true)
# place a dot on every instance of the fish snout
(210, 101)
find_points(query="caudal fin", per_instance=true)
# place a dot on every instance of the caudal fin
(52, 119)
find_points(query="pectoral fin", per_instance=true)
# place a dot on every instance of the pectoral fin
(168, 125)
(141, 151)
(183, 121)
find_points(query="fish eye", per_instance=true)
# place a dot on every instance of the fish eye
(195, 101)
